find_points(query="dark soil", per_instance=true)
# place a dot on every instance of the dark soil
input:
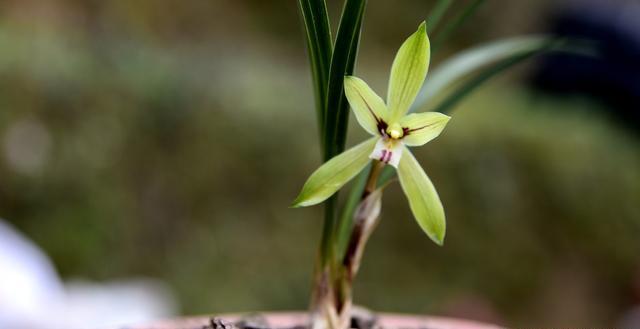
(361, 319)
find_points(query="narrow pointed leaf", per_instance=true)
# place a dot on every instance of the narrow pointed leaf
(437, 12)
(423, 198)
(332, 175)
(460, 93)
(367, 106)
(576, 47)
(336, 109)
(342, 63)
(471, 60)
(494, 57)
(318, 32)
(420, 128)
(457, 21)
(408, 72)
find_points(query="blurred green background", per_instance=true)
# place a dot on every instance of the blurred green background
(166, 139)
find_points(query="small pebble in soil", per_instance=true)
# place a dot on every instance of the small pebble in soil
(217, 323)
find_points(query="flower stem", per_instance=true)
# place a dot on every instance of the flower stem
(372, 181)
(365, 220)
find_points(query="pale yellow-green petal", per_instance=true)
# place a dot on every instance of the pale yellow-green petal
(368, 107)
(423, 198)
(333, 174)
(420, 128)
(408, 72)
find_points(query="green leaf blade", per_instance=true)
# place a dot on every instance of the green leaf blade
(577, 47)
(480, 63)
(437, 12)
(471, 60)
(336, 112)
(336, 109)
(319, 47)
(456, 22)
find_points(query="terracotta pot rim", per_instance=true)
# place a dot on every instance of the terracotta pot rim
(291, 318)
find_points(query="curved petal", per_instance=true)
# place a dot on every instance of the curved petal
(333, 174)
(408, 72)
(368, 107)
(420, 128)
(423, 198)
(388, 151)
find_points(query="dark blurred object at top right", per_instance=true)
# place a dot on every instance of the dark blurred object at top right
(612, 77)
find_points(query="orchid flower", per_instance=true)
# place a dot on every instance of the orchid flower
(394, 131)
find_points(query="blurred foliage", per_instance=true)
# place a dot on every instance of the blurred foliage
(139, 139)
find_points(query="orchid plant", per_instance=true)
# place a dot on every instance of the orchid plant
(393, 128)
